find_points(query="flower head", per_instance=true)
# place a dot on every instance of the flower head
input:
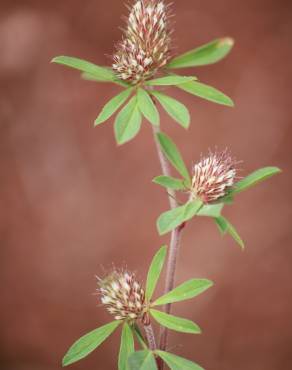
(146, 44)
(122, 295)
(213, 176)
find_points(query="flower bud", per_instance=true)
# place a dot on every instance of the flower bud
(146, 44)
(213, 176)
(122, 295)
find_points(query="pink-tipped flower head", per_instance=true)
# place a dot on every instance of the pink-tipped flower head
(213, 176)
(146, 44)
(122, 295)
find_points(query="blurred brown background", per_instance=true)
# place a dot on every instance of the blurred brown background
(71, 199)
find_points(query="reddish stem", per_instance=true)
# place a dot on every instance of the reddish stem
(173, 248)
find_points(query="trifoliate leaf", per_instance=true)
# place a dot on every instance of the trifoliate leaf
(206, 92)
(206, 54)
(128, 122)
(173, 155)
(187, 290)
(174, 108)
(254, 178)
(170, 182)
(177, 363)
(155, 271)
(147, 107)
(142, 360)
(112, 106)
(226, 227)
(169, 80)
(89, 342)
(173, 218)
(175, 323)
(126, 347)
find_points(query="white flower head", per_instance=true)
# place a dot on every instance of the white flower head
(146, 41)
(122, 295)
(213, 176)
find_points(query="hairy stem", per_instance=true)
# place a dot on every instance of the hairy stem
(174, 244)
(150, 337)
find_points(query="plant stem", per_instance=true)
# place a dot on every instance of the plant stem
(170, 278)
(150, 337)
(174, 245)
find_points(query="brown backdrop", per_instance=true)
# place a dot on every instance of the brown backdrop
(73, 203)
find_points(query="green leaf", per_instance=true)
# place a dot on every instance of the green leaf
(128, 122)
(175, 323)
(169, 182)
(211, 210)
(174, 108)
(173, 218)
(206, 92)
(177, 363)
(206, 54)
(155, 271)
(142, 360)
(254, 178)
(227, 199)
(187, 290)
(226, 227)
(89, 342)
(139, 336)
(222, 224)
(147, 107)
(88, 77)
(173, 155)
(169, 81)
(112, 106)
(100, 73)
(127, 347)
